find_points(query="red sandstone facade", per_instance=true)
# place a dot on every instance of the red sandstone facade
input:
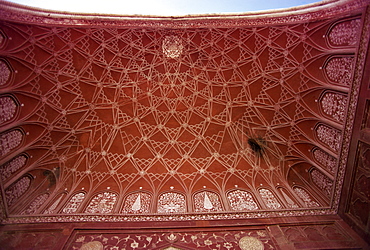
(199, 132)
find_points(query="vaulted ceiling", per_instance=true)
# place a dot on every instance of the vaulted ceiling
(203, 116)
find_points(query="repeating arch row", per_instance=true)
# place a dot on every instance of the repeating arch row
(175, 202)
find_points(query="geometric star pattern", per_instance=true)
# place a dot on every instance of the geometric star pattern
(117, 111)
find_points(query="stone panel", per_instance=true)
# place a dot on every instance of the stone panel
(242, 239)
(359, 205)
(325, 236)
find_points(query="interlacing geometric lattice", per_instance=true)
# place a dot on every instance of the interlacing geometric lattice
(130, 107)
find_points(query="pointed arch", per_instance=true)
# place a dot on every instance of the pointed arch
(36, 204)
(74, 203)
(10, 140)
(102, 203)
(207, 201)
(171, 202)
(137, 203)
(8, 109)
(305, 197)
(12, 166)
(241, 200)
(17, 189)
(269, 198)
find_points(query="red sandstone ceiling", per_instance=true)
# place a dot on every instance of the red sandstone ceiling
(144, 119)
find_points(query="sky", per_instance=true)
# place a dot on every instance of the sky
(162, 7)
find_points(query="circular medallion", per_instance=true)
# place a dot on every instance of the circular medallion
(250, 243)
(93, 245)
(172, 46)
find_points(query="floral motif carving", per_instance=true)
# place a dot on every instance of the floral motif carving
(17, 189)
(345, 33)
(289, 202)
(4, 73)
(207, 202)
(305, 197)
(329, 136)
(339, 70)
(241, 200)
(9, 141)
(324, 159)
(137, 203)
(243, 239)
(269, 199)
(74, 203)
(171, 203)
(38, 202)
(334, 105)
(322, 181)
(52, 209)
(12, 166)
(102, 203)
(7, 109)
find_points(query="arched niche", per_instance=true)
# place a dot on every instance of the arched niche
(322, 182)
(338, 69)
(55, 203)
(171, 202)
(6, 73)
(269, 198)
(74, 203)
(306, 197)
(344, 33)
(333, 105)
(36, 203)
(11, 140)
(9, 109)
(328, 136)
(207, 201)
(11, 167)
(325, 160)
(102, 202)
(138, 202)
(241, 200)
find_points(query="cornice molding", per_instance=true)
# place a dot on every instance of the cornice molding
(317, 11)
